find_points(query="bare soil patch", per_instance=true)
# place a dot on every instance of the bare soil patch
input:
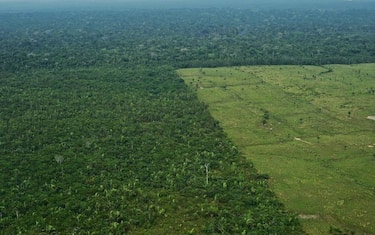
(303, 216)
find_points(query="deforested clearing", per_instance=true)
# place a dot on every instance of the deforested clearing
(304, 126)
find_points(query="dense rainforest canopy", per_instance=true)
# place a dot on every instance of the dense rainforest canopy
(100, 135)
(185, 38)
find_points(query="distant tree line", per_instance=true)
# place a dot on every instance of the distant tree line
(185, 38)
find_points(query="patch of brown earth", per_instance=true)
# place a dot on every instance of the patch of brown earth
(303, 216)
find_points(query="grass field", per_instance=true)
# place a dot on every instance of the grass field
(307, 128)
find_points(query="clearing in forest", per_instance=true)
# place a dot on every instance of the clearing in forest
(307, 127)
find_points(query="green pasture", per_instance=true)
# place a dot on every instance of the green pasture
(307, 128)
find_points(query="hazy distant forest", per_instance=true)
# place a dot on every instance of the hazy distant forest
(185, 38)
(98, 134)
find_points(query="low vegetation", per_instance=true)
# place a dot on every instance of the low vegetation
(307, 127)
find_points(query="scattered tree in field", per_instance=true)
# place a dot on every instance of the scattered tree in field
(266, 117)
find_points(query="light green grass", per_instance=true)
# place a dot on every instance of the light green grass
(329, 171)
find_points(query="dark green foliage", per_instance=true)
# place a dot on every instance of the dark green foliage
(122, 150)
(99, 135)
(337, 231)
(185, 38)
(266, 117)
